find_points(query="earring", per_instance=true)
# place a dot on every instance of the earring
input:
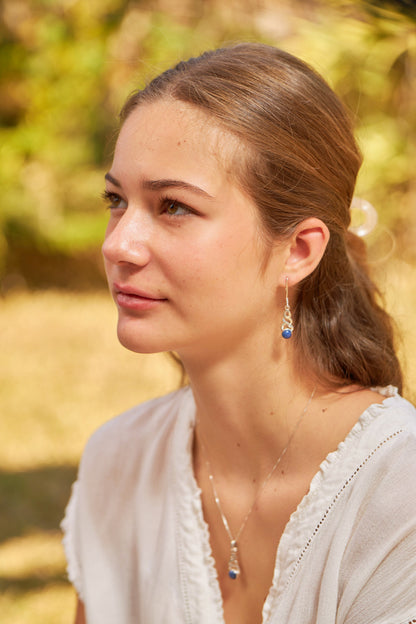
(287, 323)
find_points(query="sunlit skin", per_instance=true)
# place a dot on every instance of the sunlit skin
(180, 233)
(185, 257)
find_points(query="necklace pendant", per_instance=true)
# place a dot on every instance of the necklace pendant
(233, 565)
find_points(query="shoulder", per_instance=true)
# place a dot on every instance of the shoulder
(148, 415)
(375, 460)
(141, 429)
(394, 418)
(382, 450)
(399, 408)
(385, 437)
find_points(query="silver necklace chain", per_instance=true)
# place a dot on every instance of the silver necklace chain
(234, 569)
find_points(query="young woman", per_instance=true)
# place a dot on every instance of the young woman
(279, 485)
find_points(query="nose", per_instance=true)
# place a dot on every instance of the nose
(127, 240)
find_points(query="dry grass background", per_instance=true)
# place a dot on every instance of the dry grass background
(63, 373)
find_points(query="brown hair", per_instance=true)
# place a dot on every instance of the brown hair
(302, 162)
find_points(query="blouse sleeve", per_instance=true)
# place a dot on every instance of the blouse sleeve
(69, 528)
(379, 582)
(389, 596)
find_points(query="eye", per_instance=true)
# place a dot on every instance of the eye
(173, 208)
(114, 201)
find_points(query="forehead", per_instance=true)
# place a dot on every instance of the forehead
(172, 138)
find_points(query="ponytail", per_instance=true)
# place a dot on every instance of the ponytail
(341, 326)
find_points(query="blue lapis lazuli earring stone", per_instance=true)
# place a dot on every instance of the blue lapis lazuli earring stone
(232, 574)
(286, 333)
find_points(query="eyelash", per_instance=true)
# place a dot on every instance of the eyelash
(113, 199)
(167, 202)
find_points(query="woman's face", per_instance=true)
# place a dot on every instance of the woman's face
(183, 251)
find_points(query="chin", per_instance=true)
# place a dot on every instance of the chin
(137, 345)
(140, 341)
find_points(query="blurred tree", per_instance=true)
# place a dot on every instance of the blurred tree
(67, 65)
(404, 7)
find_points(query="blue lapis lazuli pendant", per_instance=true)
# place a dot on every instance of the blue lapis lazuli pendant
(286, 333)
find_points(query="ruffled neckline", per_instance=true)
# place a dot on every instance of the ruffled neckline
(193, 552)
(311, 510)
(298, 530)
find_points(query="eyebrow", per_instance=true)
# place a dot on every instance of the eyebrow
(158, 185)
(110, 178)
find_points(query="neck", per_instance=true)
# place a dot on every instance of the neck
(247, 409)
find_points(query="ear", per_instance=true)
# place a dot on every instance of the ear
(305, 249)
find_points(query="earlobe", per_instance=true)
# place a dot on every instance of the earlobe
(306, 248)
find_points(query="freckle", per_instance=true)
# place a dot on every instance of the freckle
(282, 472)
(238, 444)
(179, 142)
(324, 409)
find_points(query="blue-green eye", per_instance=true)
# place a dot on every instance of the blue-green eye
(114, 201)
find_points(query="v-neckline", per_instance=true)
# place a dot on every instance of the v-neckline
(307, 514)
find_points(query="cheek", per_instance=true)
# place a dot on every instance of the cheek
(216, 273)
(201, 280)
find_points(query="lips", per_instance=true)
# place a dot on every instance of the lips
(134, 299)
(129, 290)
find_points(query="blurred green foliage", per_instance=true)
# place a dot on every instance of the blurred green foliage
(67, 65)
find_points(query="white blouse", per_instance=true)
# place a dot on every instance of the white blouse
(138, 547)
